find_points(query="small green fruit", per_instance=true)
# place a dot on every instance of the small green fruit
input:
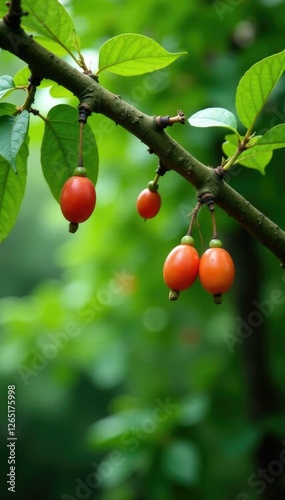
(152, 186)
(215, 243)
(187, 240)
(80, 171)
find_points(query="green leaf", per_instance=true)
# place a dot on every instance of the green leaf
(181, 462)
(116, 429)
(127, 465)
(109, 431)
(233, 139)
(6, 85)
(275, 137)
(131, 54)
(13, 131)
(59, 152)
(51, 20)
(12, 189)
(60, 92)
(193, 409)
(239, 439)
(6, 108)
(214, 117)
(255, 87)
(51, 45)
(256, 157)
(21, 78)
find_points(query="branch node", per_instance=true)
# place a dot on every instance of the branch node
(220, 172)
(13, 18)
(207, 199)
(84, 112)
(161, 169)
(161, 122)
(34, 111)
(89, 73)
(34, 79)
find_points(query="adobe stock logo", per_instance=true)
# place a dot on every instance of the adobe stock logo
(222, 7)
(140, 433)
(260, 479)
(132, 438)
(39, 358)
(260, 310)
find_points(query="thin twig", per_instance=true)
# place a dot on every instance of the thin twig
(194, 215)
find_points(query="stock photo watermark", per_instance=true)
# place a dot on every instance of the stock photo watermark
(11, 439)
(260, 479)
(261, 309)
(130, 441)
(40, 358)
(223, 7)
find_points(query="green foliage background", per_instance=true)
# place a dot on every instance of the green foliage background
(89, 314)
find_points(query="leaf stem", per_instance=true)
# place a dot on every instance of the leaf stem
(241, 148)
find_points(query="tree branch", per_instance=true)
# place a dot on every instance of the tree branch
(144, 127)
(15, 12)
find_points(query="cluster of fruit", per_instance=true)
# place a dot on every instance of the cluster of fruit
(215, 268)
(182, 266)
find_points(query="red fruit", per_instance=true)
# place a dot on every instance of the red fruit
(181, 267)
(77, 199)
(216, 271)
(148, 203)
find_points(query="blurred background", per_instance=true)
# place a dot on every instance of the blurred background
(121, 394)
